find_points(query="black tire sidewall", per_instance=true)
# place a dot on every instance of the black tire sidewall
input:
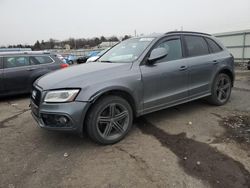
(93, 114)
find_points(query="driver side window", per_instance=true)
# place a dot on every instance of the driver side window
(174, 50)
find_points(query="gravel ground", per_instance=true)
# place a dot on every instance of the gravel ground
(190, 145)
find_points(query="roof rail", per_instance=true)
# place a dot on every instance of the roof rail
(186, 32)
(25, 52)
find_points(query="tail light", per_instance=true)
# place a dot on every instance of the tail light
(64, 65)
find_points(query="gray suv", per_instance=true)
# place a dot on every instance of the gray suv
(18, 70)
(137, 76)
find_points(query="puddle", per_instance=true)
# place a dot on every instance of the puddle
(199, 159)
(237, 128)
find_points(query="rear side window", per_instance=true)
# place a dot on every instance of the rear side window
(174, 50)
(1, 62)
(11, 62)
(214, 47)
(196, 46)
(38, 60)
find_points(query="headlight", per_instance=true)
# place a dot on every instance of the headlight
(61, 95)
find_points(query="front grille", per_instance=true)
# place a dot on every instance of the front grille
(36, 96)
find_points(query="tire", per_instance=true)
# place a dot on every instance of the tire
(109, 120)
(221, 90)
(71, 62)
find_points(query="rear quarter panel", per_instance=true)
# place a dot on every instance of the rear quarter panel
(225, 62)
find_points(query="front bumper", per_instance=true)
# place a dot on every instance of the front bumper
(74, 112)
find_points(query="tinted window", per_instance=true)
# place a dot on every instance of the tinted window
(214, 47)
(1, 63)
(196, 46)
(11, 62)
(38, 60)
(174, 49)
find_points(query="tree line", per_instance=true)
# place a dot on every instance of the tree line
(73, 43)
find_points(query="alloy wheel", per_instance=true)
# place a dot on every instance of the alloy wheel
(113, 121)
(223, 89)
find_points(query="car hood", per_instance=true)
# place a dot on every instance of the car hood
(80, 75)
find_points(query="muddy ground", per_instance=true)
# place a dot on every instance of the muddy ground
(190, 145)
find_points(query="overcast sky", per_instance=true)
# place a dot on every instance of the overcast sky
(25, 21)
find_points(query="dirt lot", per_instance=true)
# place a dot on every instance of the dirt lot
(191, 145)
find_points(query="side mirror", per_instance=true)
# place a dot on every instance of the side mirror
(157, 53)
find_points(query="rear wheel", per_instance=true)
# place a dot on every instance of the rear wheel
(109, 120)
(221, 90)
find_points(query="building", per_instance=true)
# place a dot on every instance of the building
(107, 44)
(238, 43)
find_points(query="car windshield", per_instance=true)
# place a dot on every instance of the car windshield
(126, 51)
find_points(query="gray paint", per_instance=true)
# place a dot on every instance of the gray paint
(152, 86)
(17, 80)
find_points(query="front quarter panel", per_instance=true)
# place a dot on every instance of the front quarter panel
(127, 81)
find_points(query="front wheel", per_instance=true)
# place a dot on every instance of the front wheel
(109, 120)
(221, 90)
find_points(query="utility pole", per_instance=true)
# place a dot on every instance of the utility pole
(135, 33)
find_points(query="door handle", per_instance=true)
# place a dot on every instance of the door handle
(182, 68)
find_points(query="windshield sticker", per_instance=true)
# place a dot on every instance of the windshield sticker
(146, 39)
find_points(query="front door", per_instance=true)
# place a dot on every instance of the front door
(166, 81)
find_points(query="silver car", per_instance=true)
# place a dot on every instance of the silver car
(138, 76)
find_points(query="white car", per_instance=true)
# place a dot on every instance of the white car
(94, 58)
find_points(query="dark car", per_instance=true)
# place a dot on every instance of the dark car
(18, 70)
(248, 65)
(137, 76)
(83, 59)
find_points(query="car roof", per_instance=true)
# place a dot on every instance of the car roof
(159, 35)
(187, 32)
(25, 53)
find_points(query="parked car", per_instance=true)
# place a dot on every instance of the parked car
(248, 65)
(70, 59)
(83, 59)
(59, 56)
(95, 57)
(18, 70)
(138, 76)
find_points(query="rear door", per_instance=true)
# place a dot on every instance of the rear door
(16, 73)
(40, 65)
(201, 65)
(1, 75)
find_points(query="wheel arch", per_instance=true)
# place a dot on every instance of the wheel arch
(229, 73)
(118, 92)
(226, 71)
(112, 91)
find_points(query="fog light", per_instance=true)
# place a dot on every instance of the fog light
(54, 120)
(63, 120)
